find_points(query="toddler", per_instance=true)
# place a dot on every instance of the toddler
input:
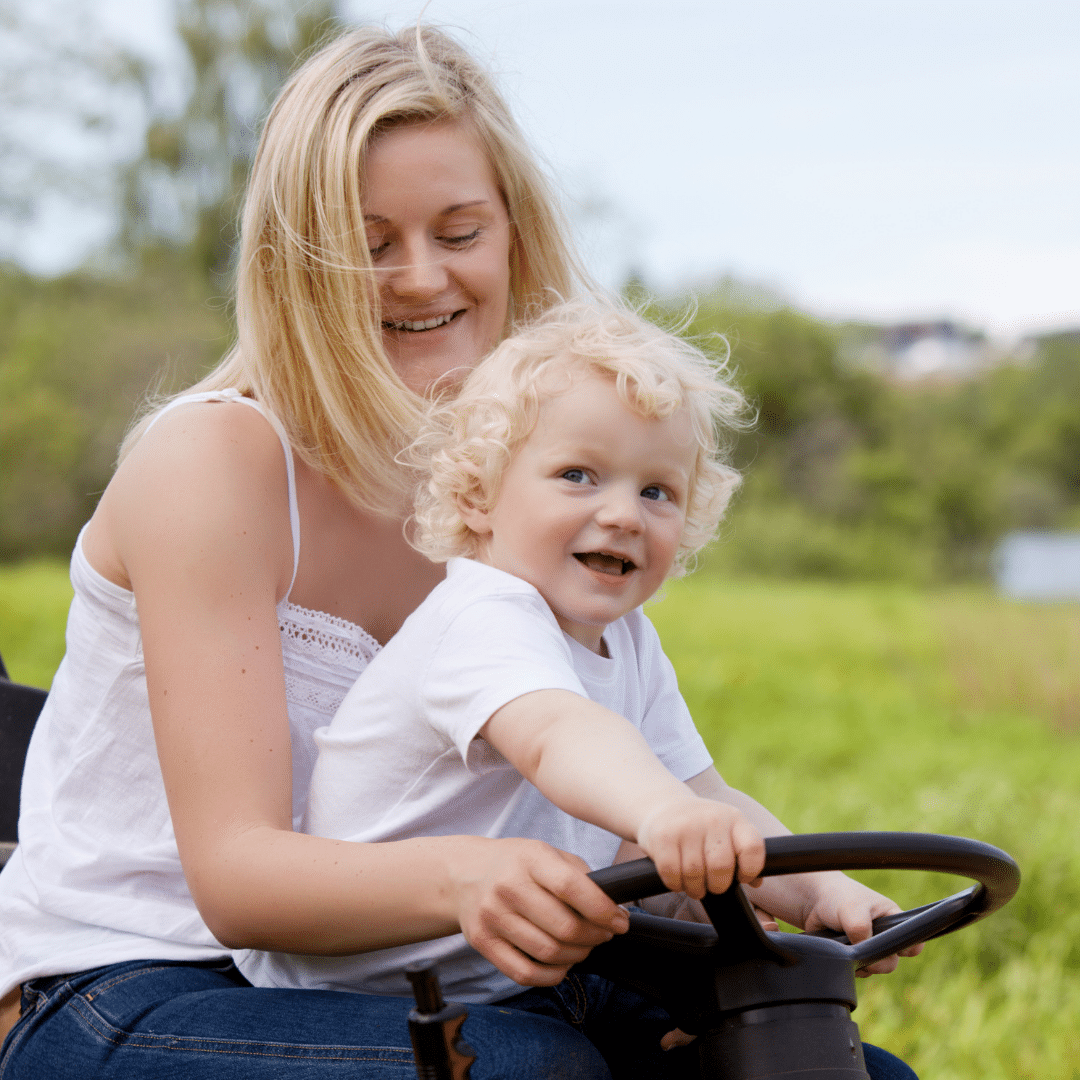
(579, 467)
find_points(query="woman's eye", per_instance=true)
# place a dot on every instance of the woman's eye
(575, 476)
(377, 247)
(462, 241)
(653, 491)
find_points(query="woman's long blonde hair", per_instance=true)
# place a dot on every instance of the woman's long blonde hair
(309, 342)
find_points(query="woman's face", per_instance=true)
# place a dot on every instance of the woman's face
(439, 236)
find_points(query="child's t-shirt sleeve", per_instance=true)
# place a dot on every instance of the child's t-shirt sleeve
(667, 724)
(492, 652)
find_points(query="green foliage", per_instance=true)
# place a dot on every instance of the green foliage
(851, 476)
(77, 357)
(34, 599)
(196, 162)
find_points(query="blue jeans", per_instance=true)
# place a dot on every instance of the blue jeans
(175, 1021)
(627, 1030)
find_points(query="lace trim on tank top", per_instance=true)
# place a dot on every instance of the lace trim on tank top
(336, 651)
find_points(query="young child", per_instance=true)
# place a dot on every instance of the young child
(528, 695)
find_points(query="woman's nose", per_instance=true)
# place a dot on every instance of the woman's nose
(420, 274)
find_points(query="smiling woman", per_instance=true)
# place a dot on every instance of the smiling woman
(439, 236)
(244, 565)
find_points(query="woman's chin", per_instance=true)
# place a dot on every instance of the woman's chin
(430, 365)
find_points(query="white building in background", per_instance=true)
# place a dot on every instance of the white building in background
(1038, 566)
(926, 350)
(919, 350)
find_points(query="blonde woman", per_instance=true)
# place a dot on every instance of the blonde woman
(243, 565)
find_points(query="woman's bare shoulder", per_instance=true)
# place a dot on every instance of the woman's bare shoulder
(202, 474)
(229, 429)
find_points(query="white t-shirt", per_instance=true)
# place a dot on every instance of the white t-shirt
(401, 757)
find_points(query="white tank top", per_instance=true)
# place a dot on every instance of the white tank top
(96, 878)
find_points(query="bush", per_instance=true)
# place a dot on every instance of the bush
(77, 357)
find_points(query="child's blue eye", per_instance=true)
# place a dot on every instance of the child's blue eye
(576, 476)
(654, 492)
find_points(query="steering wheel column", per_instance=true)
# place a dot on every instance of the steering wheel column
(771, 1004)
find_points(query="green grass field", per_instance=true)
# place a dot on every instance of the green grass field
(869, 707)
(34, 598)
(863, 707)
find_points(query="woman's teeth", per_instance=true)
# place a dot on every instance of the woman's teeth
(420, 324)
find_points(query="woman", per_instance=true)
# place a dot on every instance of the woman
(242, 566)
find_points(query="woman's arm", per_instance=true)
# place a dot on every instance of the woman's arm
(197, 518)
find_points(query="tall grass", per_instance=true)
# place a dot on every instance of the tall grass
(868, 707)
(34, 598)
(1012, 656)
(858, 707)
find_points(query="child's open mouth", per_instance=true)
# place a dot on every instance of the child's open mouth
(605, 564)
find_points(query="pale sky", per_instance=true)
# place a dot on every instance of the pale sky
(882, 159)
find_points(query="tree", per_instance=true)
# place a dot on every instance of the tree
(87, 122)
(185, 188)
(70, 114)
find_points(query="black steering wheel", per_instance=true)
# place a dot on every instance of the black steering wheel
(769, 1003)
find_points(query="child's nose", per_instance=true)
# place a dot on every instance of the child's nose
(621, 509)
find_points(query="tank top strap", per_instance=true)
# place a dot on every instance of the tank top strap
(232, 394)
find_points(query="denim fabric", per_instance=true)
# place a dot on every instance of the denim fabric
(177, 1021)
(881, 1065)
(627, 1030)
(622, 1025)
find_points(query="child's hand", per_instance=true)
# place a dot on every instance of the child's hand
(697, 845)
(845, 904)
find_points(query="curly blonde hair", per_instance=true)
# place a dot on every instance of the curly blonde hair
(466, 443)
(309, 334)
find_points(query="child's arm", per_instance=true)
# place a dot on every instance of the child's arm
(595, 765)
(810, 901)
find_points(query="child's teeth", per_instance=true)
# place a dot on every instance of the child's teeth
(604, 564)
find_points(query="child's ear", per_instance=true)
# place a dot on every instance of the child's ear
(475, 519)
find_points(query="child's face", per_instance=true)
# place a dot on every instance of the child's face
(592, 506)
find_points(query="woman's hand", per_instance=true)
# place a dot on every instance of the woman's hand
(530, 909)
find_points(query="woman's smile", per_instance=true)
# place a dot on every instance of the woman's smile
(417, 326)
(439, 236)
